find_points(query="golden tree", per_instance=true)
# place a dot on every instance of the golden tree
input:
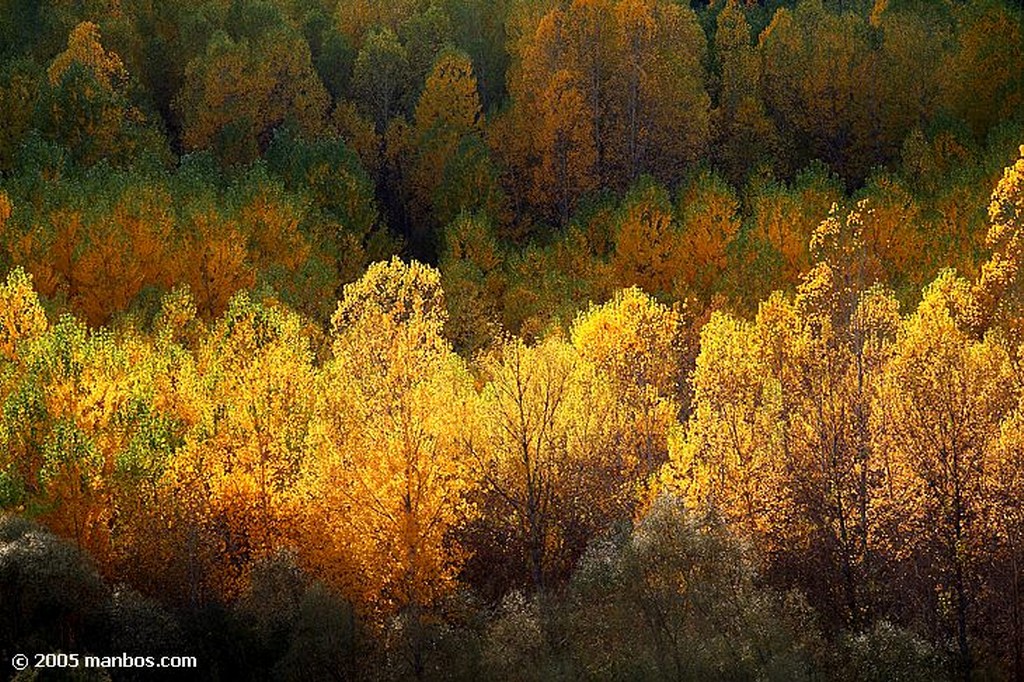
(998, 289)
(548, 447)
(648, 246)
(641, 347)
(247, 399)
(388, 481)
(448, 112)
(942, 399)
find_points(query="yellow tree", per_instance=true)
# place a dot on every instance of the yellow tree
(174, 537)
(547, 445)
(388, 482)
(84, 48)
(729, 456)
(642, 348)
(79, 420)
(998, 289)
(942, 399)
(778, 439)
(22, 316)
(847, 325)
(22, 320)
(247, 399)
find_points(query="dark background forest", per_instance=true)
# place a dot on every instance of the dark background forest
(524, 339)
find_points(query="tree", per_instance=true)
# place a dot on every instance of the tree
(19, 90)
(944, 394)
(815, 64)
(662, 47)
(648, 249)
(21, 315)
(333, 54)
(909, 72)
(783, 218)
(252, 234)
(426, 35)
(677, 596)
(988, 52)
(389, 483)
(555, 162)
(86, 441)
(589, 32)
(249, 396)
(596, 89)
(998, 289)
(847, 326)
(709, 222)
(746, 136)
(641, 348)
(22, 320)
(342, 228)
(547, 444)
(240, 90)
(1002, 612)
(479, 28)
(729, 457)
(358, 19)
(84, 48)
(566, 145)
(380, 78)
(447, 114)
(892, 234)
(130, 250)
(474, 282)
(85, 103)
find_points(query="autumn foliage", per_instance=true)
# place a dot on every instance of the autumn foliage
(454, 339)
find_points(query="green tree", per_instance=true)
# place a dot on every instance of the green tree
(381, 77)
(241, 89)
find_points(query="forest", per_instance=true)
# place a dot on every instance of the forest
(513, 339)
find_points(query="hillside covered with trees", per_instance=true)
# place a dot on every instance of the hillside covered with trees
(513, 339)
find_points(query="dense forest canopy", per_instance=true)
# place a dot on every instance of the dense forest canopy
(574, 339)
